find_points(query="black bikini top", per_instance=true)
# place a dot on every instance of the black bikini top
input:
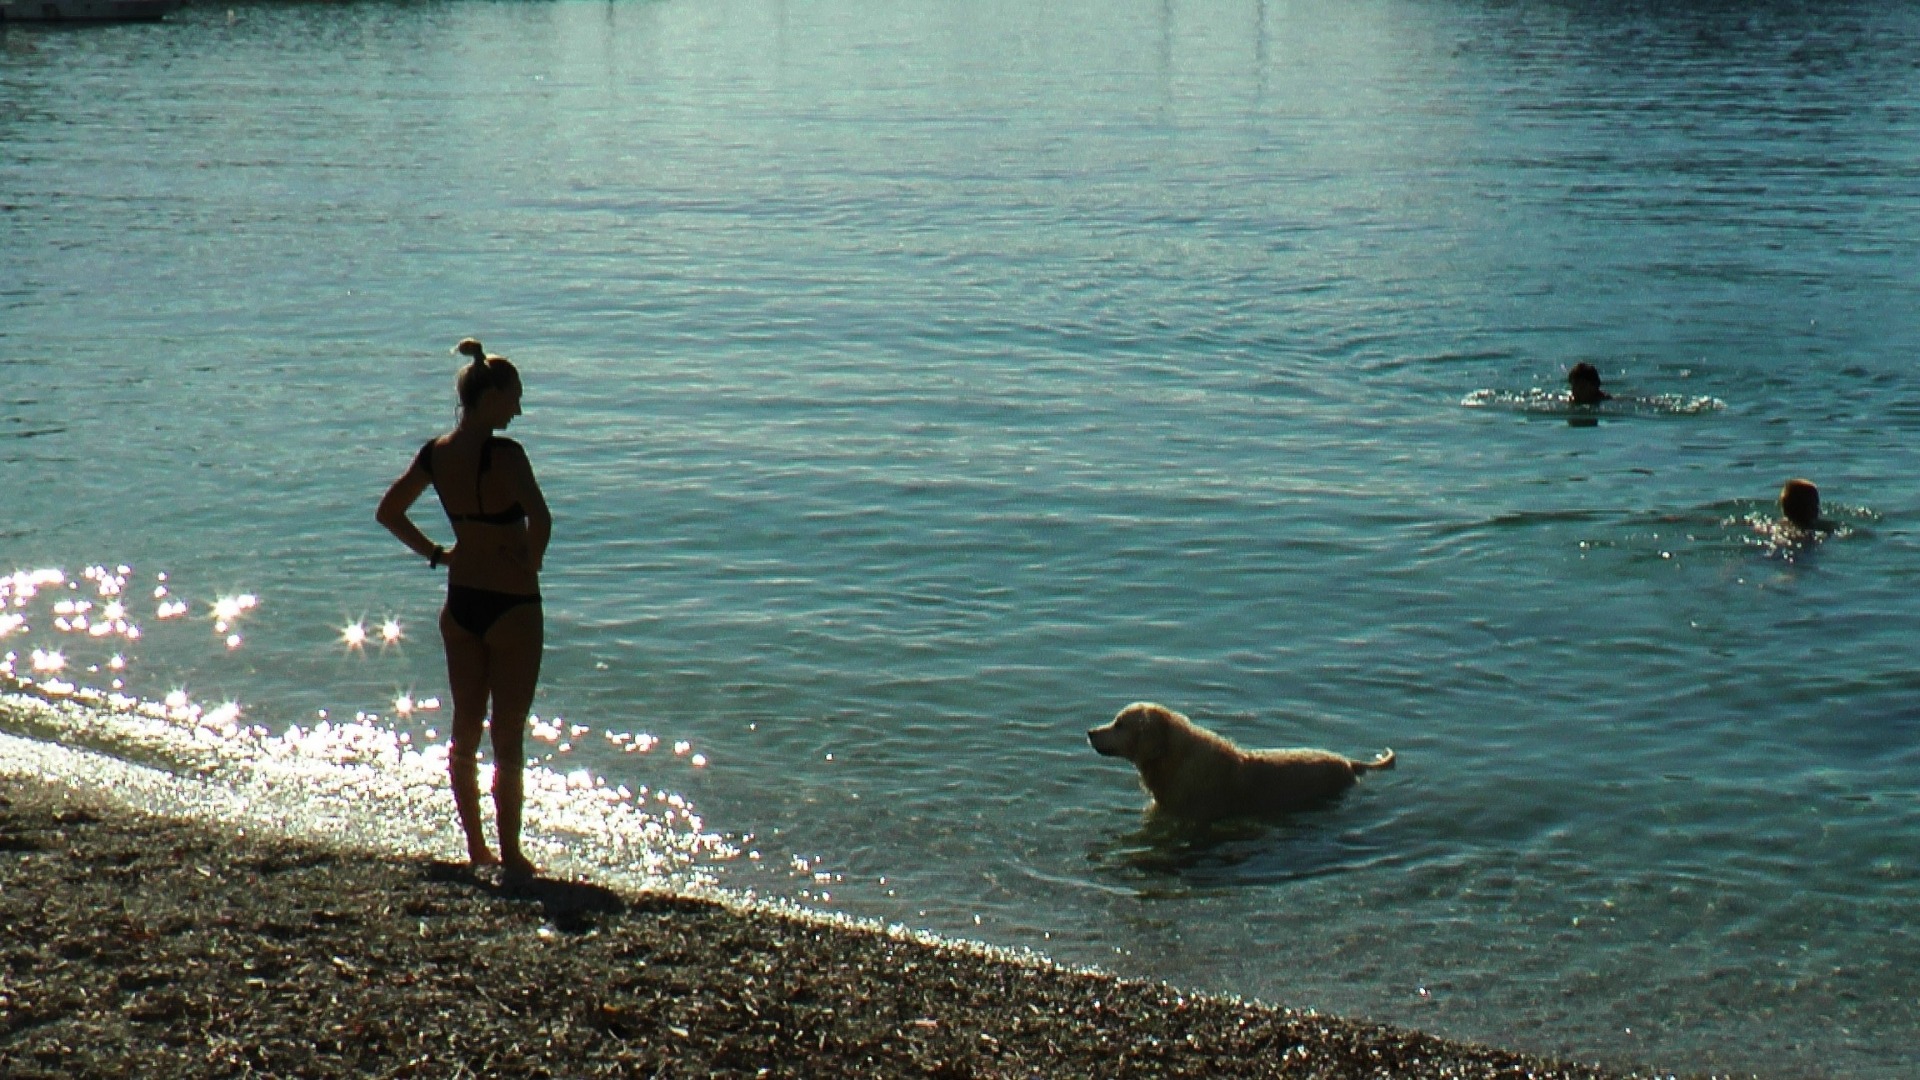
(512, 515)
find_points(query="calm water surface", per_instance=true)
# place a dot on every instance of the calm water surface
(916, 384)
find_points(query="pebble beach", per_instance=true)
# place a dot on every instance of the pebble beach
(137, 944)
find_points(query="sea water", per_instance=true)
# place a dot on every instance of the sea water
(916, 384)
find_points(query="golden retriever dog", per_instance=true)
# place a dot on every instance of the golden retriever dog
(1193, 773)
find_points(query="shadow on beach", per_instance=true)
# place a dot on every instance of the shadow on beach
(570, 906)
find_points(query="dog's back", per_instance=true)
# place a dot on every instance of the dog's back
(1276, 781)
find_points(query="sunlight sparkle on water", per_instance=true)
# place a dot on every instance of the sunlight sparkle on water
(633, 744)
(228, 608)
(362, 775)
(69, 611)
(24, 585)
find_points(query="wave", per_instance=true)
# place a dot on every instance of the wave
(1560, 403)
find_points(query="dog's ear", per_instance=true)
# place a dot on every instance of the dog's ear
(1150, 734)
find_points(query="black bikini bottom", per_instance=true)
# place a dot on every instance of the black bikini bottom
(476, 610)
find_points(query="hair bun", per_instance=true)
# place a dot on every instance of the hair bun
(471, 347)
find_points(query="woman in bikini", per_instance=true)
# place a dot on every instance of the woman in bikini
(491, 624)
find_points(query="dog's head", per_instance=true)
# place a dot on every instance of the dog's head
(1138, 734)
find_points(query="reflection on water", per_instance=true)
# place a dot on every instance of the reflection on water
(1168, 857)
(1560, 403)
(361, 776)
(1782, 539)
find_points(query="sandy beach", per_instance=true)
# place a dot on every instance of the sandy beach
(140, 945)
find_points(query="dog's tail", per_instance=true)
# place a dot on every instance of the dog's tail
(1383, 761)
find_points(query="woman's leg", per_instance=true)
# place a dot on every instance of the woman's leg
(514, 644)
(467, 674)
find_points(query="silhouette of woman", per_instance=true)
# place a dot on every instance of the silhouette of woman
(491, 624)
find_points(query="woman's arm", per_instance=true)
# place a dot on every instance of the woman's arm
(393, 513)
(539, 518)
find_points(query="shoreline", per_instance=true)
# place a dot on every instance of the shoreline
(136, 943)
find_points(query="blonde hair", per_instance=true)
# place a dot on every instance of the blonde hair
(1800, 502)
(483, 373)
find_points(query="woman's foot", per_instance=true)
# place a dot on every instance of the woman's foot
(517, 870)
(480, 856)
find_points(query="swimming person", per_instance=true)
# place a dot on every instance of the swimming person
(1800, 505)
(1580, 402)
(1583, 385)
(491, 624)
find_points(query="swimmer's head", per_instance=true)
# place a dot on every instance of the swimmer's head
(486, 372)
(1583, 382)
(1800, 503)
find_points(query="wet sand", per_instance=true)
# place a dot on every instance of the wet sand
(139, 945)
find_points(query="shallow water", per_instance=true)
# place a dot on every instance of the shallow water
(916, 386)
